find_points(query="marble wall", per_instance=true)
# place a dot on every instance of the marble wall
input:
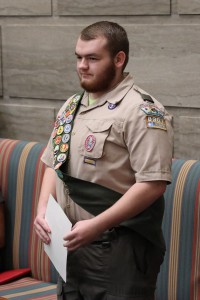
(37, 65)
(25, 8)
(115, 7)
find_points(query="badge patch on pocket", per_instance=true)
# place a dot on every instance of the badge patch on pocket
(90, 142)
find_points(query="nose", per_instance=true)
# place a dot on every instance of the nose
(83, 63)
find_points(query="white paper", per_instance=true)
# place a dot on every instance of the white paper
(60, 226)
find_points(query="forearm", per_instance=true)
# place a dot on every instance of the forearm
(48, 187)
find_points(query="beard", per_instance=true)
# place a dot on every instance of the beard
(102, 83)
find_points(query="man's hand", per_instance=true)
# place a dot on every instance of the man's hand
(42, 229)
(82, 233)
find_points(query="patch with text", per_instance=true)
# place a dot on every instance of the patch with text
(156, 122)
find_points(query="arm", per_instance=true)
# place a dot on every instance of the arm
(139, 197)
(48, 187)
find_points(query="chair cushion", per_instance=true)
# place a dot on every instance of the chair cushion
(28, 288)
(8, 276)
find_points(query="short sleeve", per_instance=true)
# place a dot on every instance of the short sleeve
(47, 156)
(150, 147)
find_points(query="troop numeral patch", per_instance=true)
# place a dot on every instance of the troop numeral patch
(156, 122)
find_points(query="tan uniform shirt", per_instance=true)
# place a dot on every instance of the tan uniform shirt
(116, 143)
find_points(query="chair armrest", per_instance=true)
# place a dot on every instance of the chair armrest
(2, 222)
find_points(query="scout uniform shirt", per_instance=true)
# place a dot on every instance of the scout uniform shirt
(116, 142)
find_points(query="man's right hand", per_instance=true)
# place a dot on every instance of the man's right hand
(42, 229)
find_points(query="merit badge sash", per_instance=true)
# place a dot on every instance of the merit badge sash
(62, 133)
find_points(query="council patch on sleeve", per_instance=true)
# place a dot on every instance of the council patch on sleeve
(151, 110)
(156, 122)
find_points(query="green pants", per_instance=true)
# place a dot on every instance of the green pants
(122, 265)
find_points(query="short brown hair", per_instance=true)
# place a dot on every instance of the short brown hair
(114, 33)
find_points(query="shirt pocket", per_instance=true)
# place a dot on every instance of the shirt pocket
(94, 138)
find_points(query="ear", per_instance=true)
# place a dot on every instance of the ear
(120, 59)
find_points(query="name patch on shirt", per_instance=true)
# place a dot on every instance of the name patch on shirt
(156, 122)
(89, 161)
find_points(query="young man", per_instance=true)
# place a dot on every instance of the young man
(109, 160)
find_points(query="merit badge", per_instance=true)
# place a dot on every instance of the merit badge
(61, 157)
(156, 122)
(111, 106)
(151, 110)
(62, 120)
(60, 130)
(72, 107)
(69, 119)
(67, 113)
(90, 142)
(56, 149)
(58, 139)
(57, 123)
(64, 147)
(65, 138)
(77, 98)
(67, 128)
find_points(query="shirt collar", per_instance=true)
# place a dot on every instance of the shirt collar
(115, 95)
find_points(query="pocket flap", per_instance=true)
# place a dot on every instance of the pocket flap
(99, 125)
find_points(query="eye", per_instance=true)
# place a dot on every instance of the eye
(93, 58)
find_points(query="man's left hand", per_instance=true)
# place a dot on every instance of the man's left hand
(83, 232)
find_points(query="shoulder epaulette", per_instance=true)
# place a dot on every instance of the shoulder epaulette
(145, 97)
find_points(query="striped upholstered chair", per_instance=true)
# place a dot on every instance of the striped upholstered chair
(179, 278)
(21, 173)
(20, 179)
